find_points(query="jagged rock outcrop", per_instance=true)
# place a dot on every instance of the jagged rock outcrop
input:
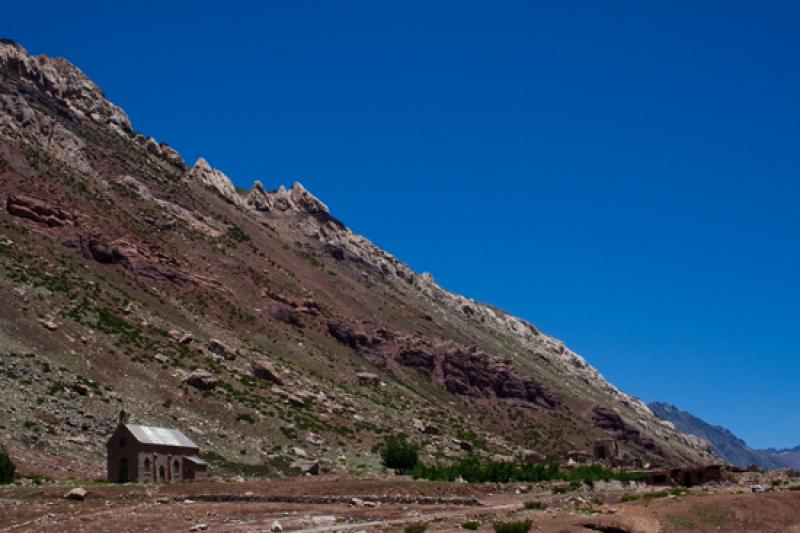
(297, 199)
(67, 85)
(202, 173)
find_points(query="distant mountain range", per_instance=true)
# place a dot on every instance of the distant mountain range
(727, 445)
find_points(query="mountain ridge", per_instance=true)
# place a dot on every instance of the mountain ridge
(139, 267)
(727, 445)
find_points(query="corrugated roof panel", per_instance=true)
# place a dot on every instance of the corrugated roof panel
(160, 436)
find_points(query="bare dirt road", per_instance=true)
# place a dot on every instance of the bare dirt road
(353, 505)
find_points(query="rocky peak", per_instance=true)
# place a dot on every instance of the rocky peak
(258, 198)
(66, 83)
(305, 201)
(298, 199)
(204, 174)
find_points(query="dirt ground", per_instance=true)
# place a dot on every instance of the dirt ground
(329, 505)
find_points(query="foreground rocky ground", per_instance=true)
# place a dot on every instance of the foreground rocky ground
(337, 504)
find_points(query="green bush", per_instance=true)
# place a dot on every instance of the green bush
(244, 417)
(535, 505)
(399, 454)
(628, 497)
(519, 526)
(472, 525)
(415, 528)
(475, 470)
(7, 468)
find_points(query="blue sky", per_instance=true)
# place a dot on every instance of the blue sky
(626, 175)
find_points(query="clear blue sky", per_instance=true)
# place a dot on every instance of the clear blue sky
(626, 175)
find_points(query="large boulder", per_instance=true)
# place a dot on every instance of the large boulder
(217, 347)
(368, 378)
(78, 494)
(348, 335)
(305, 466)
(201, 379)
(287, 316)
(263, 369)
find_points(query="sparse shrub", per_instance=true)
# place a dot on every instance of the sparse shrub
(655, 495)
(628, 497)
(244, 417)
(535, 505)
(399, 454)
(7, 468)
(711, 514)
(683, 522)
(472, 525)
(518, 526)
(415, 528)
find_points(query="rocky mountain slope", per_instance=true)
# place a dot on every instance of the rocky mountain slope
(258, 323)
(728, 446)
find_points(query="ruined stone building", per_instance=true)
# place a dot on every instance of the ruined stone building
(153, 454)
(606, 449)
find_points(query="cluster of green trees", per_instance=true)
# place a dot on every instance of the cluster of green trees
(403, 456)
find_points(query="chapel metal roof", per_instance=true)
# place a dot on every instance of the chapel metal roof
(160, 436)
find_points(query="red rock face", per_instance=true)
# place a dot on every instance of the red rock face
(36, 210)
(460, 370)
(473, 373)
(611, 421)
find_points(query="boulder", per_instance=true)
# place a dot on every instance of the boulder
(217, 347)
(48, 324)
(201, 379)
(347, 335)
(78, 494)
(287, 316)
(263, 369)
(300, 452)
(368, 378)
(306, 466)
(464, 445)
